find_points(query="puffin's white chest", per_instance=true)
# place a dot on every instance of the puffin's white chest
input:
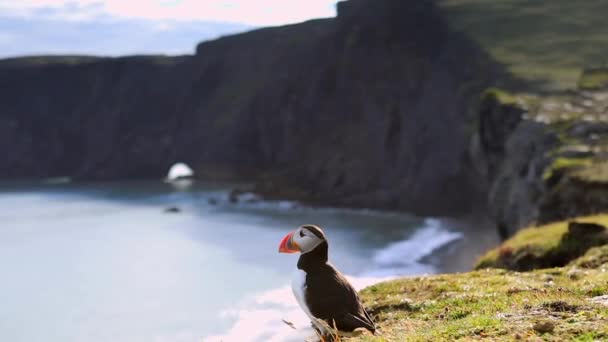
(298, 286)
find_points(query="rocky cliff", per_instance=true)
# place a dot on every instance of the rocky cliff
(372, 108)
(86, 117)
(545, 157)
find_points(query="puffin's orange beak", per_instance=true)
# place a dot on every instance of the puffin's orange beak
(288, 245)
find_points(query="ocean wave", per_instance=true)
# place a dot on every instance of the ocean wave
(405, 257)
(261, 318)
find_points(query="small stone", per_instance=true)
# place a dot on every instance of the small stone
(173, 210)
(602, 300)
(574, 274)
(544, 327)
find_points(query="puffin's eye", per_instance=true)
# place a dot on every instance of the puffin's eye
(301, 233)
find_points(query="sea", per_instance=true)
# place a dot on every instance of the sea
(149, 261)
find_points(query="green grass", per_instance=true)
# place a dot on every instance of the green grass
(75, 60)
(594, 79)
(560, 164)
(47, 60)
(499, 95)
(543, 246)
(552, 304)
(547, 42)
(595, 173)
(492, 305)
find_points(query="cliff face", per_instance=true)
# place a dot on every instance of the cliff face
(545, 157)
(372, 108)
(97, 118)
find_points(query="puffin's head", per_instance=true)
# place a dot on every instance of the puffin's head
(303, 240)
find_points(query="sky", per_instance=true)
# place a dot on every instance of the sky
(125, 27)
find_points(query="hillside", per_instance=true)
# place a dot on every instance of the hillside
(544, 42)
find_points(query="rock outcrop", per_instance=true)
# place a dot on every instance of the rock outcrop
(545, 157)
(373, 108)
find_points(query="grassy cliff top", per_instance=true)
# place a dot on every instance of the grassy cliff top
(560, 304)
(568, 303)
(554, 244)
(547, 42)
(75, 60)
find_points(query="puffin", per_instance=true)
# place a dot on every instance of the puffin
(322, 292)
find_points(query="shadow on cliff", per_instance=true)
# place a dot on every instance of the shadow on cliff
(374, 108)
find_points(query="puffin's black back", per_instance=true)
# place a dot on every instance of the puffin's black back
(329, 296)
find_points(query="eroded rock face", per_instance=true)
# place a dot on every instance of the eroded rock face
(373, 109)
(511, 152)
(518, 183)
(93, 118)
(545, 157)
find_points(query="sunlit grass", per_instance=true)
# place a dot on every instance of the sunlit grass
(553, 304)
(537, 242)
(541, 41)
(493, 305)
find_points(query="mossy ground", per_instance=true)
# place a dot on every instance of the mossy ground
(554, 304)
(500, 95)
(594, 79)
(563, 164)
(492, 305)
(595, 173)
(544, 246)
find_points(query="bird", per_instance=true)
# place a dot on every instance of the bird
(322, 292)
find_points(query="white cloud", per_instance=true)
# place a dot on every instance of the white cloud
(109, 37)
(118, 27)
(259, 12)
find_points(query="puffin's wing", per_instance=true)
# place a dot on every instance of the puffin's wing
(353, 320)
(329, 296)
(369, 320)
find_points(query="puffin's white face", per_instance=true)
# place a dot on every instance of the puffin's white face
(303, 240)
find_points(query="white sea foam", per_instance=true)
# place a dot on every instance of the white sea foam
(261, 318)
(404, 257)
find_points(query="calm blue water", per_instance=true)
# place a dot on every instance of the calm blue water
(104, 262)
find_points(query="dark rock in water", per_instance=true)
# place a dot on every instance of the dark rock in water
(233, 196)
(173, 210)
(213, 201)
(243, 196)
